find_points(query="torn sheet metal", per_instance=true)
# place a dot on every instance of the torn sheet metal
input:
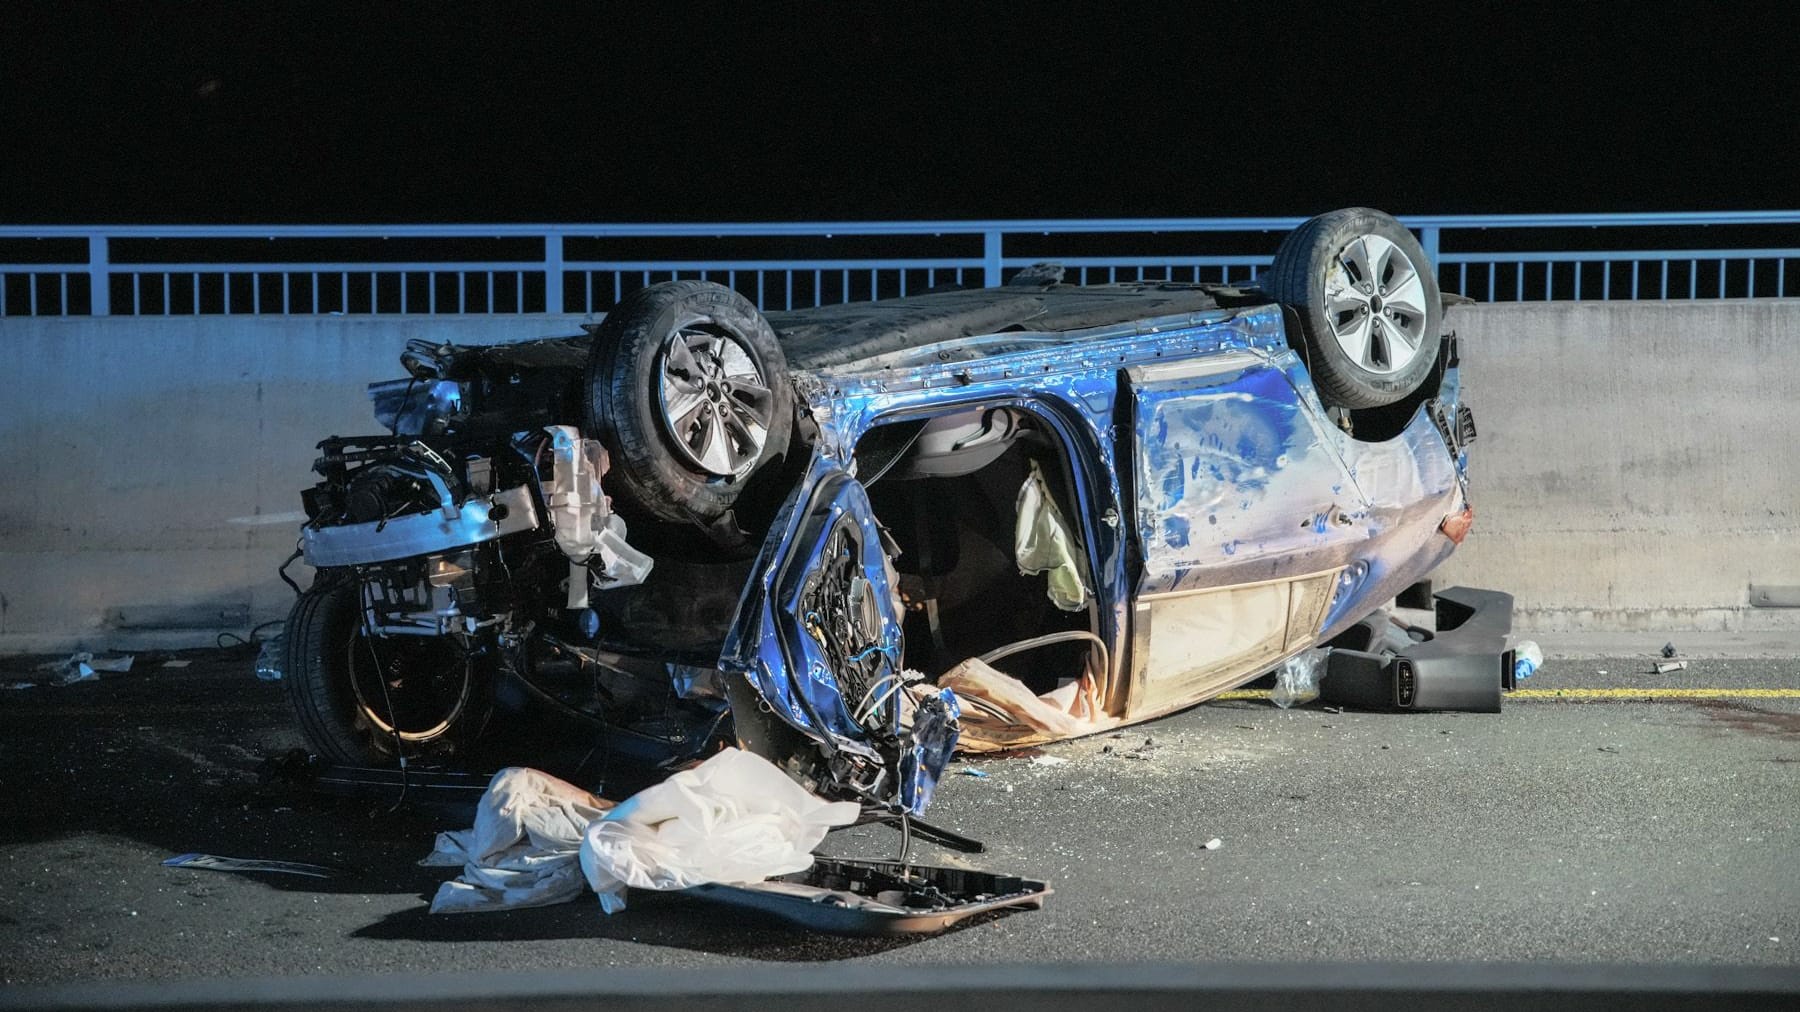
(788, 653)
(85, 667)
(215, 862)
(734, 818)
(936, 727)
(522, 850)
(587, 530)
(1042, 543)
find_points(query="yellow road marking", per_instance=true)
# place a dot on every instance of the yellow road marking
(1614, 693)
(1621, 693)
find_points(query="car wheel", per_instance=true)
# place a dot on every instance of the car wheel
(688, 389)
(418, 696)
(1367, 300)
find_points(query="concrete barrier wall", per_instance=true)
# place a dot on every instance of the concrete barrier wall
(140, 459)
(1633, 470)
(1636, 467)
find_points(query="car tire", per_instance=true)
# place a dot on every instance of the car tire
(688, 389)
(1367, 302)
(340, 705)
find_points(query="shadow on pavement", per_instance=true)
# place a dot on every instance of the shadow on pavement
(652, 919)
(171, 758)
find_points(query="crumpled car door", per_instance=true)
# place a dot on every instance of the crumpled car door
(1239, 483)
(818, 636)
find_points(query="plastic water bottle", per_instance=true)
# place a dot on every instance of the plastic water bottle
(268, 659)
(1527, 658)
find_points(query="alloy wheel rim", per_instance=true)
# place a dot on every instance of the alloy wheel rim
(715, 403)
(1375, 304)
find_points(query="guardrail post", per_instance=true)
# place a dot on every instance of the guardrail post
(990, 252)
(553, 273)
(1428, 237)
(99, 274)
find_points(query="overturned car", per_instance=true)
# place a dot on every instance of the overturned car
(857, 537)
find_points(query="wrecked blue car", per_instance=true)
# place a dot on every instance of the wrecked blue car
(856, 538)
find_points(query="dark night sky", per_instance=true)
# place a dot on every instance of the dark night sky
(508, 112)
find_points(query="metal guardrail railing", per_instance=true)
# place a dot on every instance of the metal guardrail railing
(276, 269)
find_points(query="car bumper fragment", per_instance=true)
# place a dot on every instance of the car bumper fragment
(878, 897)
(1466, 665)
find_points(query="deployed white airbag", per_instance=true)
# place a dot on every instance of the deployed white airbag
(1042, 544)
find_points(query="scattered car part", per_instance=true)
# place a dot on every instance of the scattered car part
(1465, 665)
(214, 862)
(878, 897)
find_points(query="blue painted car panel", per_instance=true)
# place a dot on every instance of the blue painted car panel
(1219, 467)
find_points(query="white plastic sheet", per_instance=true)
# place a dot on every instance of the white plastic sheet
(1297, 680)
(734, 818)
(523, 849)
(538, 840)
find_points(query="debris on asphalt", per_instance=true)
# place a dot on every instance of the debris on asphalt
(268, 657)
(21, 685)
(215, 862)
(1214, 844)
(1668, 650)
(1527, 658)
(176, 663)
(878, 898)
(83, 666)
(970, 771)
(1141, 752)
(1297, 681)
(734, 818)
(74, 668)
(1664, 667)
(1048, 760)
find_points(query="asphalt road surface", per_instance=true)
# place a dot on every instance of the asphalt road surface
(1603, 825)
